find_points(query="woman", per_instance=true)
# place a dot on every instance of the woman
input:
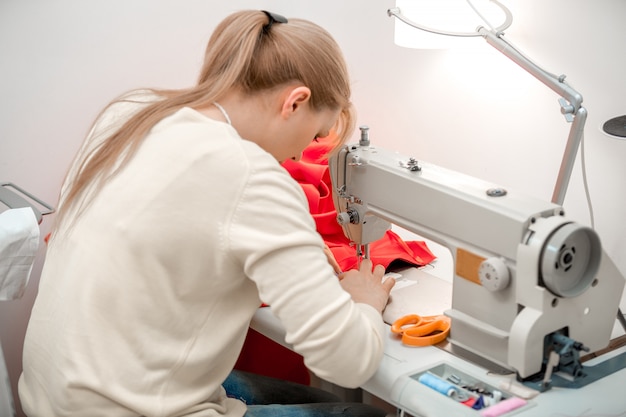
(176, 221)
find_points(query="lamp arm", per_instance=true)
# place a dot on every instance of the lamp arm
(555, 83)
(572, 109)
(569, 156)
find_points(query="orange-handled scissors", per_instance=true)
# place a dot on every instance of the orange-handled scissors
(422, 330)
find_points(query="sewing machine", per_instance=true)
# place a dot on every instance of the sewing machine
(531, 289)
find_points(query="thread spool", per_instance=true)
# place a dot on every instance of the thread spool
(503, 407)
(438, 384)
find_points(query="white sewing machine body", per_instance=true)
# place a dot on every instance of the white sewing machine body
(522, 270)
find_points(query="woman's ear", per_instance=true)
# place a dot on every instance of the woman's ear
(294, 99)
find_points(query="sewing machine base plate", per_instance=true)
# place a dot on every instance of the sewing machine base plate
(592, 373)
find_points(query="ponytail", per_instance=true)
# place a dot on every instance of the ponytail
(250, 51)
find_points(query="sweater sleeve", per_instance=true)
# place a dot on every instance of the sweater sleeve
(273, 235)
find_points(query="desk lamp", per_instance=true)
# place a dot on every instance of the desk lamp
(570, 101)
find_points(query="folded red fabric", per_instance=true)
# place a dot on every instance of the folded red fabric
(313, 175)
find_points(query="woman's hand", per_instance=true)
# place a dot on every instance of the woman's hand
(365, 285)
(331, 260)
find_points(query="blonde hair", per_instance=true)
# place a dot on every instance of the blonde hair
(249, 52)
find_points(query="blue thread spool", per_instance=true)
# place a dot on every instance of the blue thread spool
(438, 384)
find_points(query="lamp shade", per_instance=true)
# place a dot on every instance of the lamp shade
(444, 16)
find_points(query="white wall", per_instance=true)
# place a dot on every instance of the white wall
(62, 60)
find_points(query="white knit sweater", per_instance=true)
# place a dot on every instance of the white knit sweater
(144, 302)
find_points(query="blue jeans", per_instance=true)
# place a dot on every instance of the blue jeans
(271, 397)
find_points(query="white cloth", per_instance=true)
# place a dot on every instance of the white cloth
(6, 397)
(145, 299)
(19, 241)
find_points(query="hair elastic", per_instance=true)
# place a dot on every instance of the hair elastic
(274, 18)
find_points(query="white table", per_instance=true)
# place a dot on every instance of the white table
(393, 383)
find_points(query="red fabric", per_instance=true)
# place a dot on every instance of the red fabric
(261, 355)
(313, 175)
